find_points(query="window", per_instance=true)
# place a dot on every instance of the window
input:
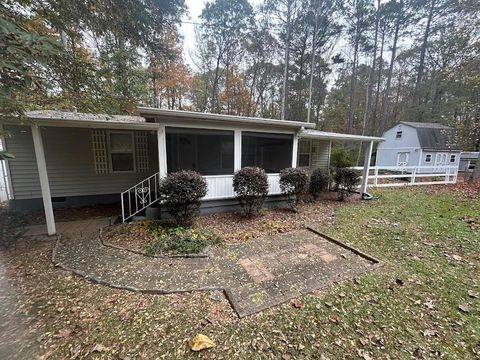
(399, 134)
(121, 151)
(210, 152)
(304, 153)
(428, 158)
(272, 152)
(453, 158)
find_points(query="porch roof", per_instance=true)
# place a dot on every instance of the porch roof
(317, 134)
(90, 120)
(191, 115)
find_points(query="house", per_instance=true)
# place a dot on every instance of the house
(468, 161)
(430, 146)
(73, 159)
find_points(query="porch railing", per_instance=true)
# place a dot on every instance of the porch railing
(139, 197)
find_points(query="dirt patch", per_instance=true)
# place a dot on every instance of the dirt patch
(79, 213)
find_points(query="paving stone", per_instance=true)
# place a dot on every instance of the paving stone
(255, 275)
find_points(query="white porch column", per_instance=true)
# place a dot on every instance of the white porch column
(42, 173)
(294, 150)
(366, 168)
(237, 150)
(162, 151)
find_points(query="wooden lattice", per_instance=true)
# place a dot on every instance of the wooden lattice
(100, 156)
(141, 150)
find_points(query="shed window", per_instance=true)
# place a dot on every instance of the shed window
(453, 158)
(304, 154)
(122, 156)
(271, 152)
(428, 158)
(210, 152)
(399, 134)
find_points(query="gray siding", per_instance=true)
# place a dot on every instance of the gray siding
(320, 153)
(70, 165)
(388, 150)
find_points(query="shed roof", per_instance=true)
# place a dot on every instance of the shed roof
(434, 136)
(317, 134)
(75, 116)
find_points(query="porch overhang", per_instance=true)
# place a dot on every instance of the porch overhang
(324, 135)
(167, 115)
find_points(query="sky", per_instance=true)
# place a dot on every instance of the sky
(187, 29)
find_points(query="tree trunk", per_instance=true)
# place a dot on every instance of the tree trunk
(312, 65)
(383, 111)
(423, 52)
(286, 59)
(374, 130)
(353, 80)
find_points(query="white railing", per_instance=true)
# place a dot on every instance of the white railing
(391, 176)
(4, 189)
(139, 197)
(145, 193)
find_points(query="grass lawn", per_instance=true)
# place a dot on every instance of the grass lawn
(423, 303)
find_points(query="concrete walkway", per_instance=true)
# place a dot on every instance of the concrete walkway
(254, 275)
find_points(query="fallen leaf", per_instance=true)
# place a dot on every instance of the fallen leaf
(296, 303)
(201, 342)
(464, 307)
(286, 356)
(364, 354)
(472, 294)
(99, 348)
(429, 332)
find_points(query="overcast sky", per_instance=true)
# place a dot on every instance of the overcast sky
(195, 8)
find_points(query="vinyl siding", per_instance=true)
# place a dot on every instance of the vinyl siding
(70, 166)
(319, 155)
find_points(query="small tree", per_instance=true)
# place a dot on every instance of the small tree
(319, 181)
(346, 181)
(293, 182)
(341, 158)
(181, 193)
(251, 188)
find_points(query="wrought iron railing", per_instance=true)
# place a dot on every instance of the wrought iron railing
(139, 197)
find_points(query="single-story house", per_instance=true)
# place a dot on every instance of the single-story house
(428, 145)
(468, 161)
(73, 159)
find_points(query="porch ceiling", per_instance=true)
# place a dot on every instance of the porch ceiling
(317, 134)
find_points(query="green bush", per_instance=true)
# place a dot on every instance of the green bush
(181, 192)
(346, 181)
(341, 158)
(179, 240)
(293, 182)
(251, 188)
(319, 181)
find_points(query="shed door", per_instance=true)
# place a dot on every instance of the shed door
(402, 158)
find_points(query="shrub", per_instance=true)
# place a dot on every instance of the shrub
(181, 193)
(179, 240)
(341, 158)
(251, 188)
(346, 181)
(293, 182)
(319, 181)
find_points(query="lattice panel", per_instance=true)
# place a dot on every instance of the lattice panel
(141, 150)
(100, 154)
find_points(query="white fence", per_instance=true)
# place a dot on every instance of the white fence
(220, 186)
(391, 176)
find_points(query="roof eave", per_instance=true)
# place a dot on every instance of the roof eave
(222, 118)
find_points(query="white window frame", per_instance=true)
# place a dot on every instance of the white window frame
(309, 153)
(428, 158)
(132, 136)
(454, 157)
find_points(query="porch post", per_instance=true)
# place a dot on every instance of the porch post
(294, 150)
(366, 168)
(162, 151)
(237, 150)
(42, 173)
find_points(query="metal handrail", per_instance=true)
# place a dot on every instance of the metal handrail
(140, 195)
